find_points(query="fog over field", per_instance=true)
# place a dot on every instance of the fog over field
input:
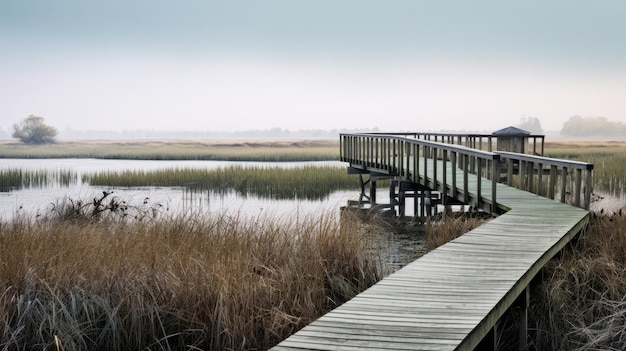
(241, 65)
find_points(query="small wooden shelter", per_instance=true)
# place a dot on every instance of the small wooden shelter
(513, 139)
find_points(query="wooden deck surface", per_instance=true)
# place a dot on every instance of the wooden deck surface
(450, 298)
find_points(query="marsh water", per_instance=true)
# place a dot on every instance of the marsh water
(38, 198)
(31, 200)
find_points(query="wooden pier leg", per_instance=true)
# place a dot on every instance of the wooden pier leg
(401, 201)
(523, 301)
(429, 206)
(392, 195)
(415, 203)
(422, 204)
(447, 208)
(372, 191)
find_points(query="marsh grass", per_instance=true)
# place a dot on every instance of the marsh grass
(443, 230)
(19, 178)
(274, 151)
(608, 158)
(581, 302)
(307, 182)
(185, 282)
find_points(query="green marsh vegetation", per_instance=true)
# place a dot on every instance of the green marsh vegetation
(264, 151)
(20, 178)
(608, 158)
(210, 282)
(306, 182)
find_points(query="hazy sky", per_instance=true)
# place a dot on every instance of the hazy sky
(302, 64)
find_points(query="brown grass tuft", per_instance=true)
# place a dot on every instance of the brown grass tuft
(442, 231)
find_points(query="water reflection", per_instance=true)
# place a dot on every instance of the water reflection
(39, 196)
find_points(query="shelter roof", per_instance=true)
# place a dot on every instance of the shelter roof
(511, 131)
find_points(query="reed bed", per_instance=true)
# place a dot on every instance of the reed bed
(581, 302)
(21, 178)
(441, 231)
(608, 158)
(265, 151)
(185, 282)
(307, 182)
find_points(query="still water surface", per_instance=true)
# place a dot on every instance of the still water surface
(34, 199)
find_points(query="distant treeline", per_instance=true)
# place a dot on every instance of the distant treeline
(593, 126)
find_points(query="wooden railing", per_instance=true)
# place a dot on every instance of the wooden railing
(486, 142)
(405, 157)
(531, 171)
(406, 154)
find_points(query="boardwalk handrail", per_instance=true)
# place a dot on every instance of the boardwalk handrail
(397, 155)
(487, 142)
(393, 153)
(528, 165)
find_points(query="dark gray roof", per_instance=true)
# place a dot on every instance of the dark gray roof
(511, 131)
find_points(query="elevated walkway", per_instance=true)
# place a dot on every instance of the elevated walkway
(452, 297)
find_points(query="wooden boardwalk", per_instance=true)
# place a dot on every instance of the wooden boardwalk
(452, 297)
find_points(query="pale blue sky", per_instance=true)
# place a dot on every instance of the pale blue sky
(296, 64)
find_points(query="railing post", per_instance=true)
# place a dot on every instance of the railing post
(563, 183)
(385, 159)
(577, 187)
(444, 171)
(416, 163)
(495, 169)
(369, 152)
(588, 189)
(540, 179)
(374, 152)
(531, 175)
(435, 151)
(400, 156)
(453, 161)
(522, 175)
(407, 155)
(479, 176)
(425, 151)
(393, 155)
(552, 182)
(359, 145)
(465, 179)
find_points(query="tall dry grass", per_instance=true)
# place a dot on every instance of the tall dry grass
(187, 282)
(449, 227)
(580, 304)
